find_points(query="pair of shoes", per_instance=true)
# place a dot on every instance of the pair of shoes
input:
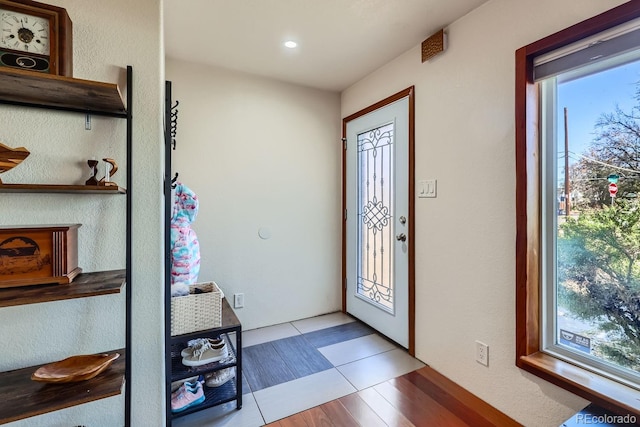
(186, 397)
(199, 342)
(186, 383)
(208, 351)
(218, 378)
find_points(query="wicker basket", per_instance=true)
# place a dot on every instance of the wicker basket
(198, 310)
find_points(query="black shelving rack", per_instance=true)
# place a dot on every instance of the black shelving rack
(43, 91)
(231, 327)
(169, 145)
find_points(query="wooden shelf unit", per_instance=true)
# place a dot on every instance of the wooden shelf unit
(39, 90)
(60, 188)
(83, 286)
(21, 397)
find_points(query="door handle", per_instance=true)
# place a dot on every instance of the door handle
(401, 237)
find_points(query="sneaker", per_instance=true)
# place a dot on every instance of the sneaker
(207, 353)
(187, 398)
(189, 383)
(199, 342)
(218, 378)
(176, 384)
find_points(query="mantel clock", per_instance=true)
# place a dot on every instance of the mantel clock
(36, 36)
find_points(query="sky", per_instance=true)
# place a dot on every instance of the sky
(589, 97)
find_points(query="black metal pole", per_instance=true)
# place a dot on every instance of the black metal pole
(167, 248)
(129, 341)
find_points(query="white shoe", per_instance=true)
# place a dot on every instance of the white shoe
(218, 378)
(199, 342)
(207, 353)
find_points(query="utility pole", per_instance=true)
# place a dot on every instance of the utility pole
(567, 189)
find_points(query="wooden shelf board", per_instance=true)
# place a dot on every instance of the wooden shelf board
(21, 397)
(40, 90)
(229, 318)
(59, 188)
(83, 286)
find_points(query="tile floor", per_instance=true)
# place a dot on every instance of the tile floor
(294, 366)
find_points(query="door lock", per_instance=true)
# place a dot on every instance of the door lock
(401, 237)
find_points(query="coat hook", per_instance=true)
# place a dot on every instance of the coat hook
(174, 124)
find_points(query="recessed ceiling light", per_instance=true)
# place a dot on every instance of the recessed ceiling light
(290, 44)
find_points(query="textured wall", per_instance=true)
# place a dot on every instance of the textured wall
(262, 154)
(465, 238)
(108, 36)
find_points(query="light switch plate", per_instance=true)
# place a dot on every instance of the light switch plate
(427, 188)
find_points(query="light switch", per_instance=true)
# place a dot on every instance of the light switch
(427, 188)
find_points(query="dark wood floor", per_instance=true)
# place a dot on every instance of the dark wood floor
(419, 398)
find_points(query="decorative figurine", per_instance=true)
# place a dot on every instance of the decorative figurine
(11, 157)
(110, 169)
(93, 165)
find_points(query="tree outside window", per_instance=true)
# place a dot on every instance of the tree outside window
(597, 284)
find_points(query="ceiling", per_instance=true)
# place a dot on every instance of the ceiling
(339, 41)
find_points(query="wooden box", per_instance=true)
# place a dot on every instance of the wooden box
(38, 254)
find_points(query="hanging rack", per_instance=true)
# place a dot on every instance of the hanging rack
(174, 123)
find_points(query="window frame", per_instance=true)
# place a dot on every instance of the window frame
(529, 355)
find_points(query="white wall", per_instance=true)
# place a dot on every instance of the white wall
(262, 154)
(108, 36)
(465, 238)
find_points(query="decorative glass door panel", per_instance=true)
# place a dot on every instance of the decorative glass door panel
(375, 281)
(377, 230)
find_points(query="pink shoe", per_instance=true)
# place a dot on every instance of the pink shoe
(187, 398)
(187, 385)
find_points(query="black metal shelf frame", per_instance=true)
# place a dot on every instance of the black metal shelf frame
(129, 245)
(180, 371)
(167, 247)
(126, 114)
(232, 390)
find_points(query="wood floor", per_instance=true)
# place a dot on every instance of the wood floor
(419, 398)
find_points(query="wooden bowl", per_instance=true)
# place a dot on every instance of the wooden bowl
(11, 157)
(74, 368)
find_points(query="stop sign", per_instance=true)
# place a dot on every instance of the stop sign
(613, 189)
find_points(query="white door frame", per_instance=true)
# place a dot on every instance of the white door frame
(407, 93)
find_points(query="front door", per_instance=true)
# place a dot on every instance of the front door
(378, 233)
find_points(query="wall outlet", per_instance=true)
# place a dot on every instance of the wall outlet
(238, 300)
(482, 353)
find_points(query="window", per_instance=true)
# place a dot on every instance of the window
(590, 152)
(578, 248)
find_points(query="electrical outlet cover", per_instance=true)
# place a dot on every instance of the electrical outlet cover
(482, 353)
(238, 300)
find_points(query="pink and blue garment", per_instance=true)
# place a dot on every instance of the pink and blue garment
(185, 249)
